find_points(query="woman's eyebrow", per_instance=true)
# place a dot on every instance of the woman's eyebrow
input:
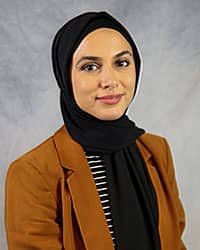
(100, 59)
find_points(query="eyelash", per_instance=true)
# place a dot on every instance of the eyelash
(85, 65)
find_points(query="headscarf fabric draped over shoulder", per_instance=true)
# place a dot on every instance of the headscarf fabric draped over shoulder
(133, 198)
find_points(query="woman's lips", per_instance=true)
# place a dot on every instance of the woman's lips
(111, 99)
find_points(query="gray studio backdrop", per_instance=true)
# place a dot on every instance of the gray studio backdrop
(168, 35)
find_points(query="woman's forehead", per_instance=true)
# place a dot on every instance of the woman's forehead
(102, 39)
(104, 33)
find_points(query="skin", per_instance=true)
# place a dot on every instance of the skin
(92, 78)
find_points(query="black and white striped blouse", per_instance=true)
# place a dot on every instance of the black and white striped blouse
(98, 169)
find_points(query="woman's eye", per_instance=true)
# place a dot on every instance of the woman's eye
(89, 67)
(94, 67)
(124, 63)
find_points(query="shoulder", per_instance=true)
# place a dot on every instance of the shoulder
(37, 153)
(153, 141)
(35, 175)
(38, 159)
(156, 145)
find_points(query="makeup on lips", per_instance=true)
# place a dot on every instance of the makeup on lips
(110, 99)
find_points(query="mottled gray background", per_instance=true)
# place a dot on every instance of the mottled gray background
(168, 34)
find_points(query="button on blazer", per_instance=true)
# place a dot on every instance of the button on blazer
(51, 200)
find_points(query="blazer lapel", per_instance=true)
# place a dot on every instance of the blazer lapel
(83, 192)
(82, 188)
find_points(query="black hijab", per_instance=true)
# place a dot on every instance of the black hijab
(133, 198)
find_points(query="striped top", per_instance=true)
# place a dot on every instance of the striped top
(98, 170)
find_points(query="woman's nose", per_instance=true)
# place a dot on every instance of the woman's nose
(108, 77)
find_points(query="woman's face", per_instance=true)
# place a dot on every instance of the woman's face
(111, 63)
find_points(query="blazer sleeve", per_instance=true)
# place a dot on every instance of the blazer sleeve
(30, 210)
(179, 205)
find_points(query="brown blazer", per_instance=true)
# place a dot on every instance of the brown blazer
(51, 200)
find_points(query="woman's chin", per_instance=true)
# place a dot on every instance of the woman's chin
(108, 116)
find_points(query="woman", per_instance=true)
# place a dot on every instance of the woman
(99, 182)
